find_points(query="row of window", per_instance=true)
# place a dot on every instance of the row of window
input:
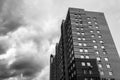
(94, 41)
(77, 15)
(81, 39)
(87, 72)
(99, 65)
(107, 66)
(93, 18)
(82, 56)
(110, 73)
(88, 57)
(78, 19)
(88, 18)
(98, 31)
(95, 22)
(95, 46)
(89, 79)
(81, 50)
(93, 27)
(86, 64)
(93, 35)
(90, 26)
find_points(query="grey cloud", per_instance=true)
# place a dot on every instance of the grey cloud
(26, 66)
(4, 45)
(9, 26)
(1, 4)
(2, 50)
(4, 71)
(10, 17)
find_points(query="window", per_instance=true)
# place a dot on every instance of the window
(76, 24)
(85, 72)
(94, 41)
(84, 44)
(90, 72)
(88, 18)
(108, 66)
(102, 47)
(101, 73)
(72, 58)
(92, 35)
(99, 65)
(70, 55)
(85, 78)
(72, 52)
(87, 57)
(88, 64)
(110, 73)
(83, 63)
(78, 33)
(79, 38)
(99, 36)
(94, 18)
(81, 28)
(85, 50)
(98, 58)
(83, 39)
(104, 52)
(96, 22)
(74, 72)
(97, 52)
(106, 59)
(91, 31)
(75, 14)
(90, 26)
(81, 22)
(73, 65)
(96, 27)
(70, 61)
(83, 33)
(80, 44)
(89, 22)
(82, 56)
(95, 47)
(77, 28)
(101, 42)
(98, 31)
(81, 50)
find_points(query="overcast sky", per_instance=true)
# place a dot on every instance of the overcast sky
(29, 30)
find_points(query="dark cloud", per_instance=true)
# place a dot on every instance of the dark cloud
(2, 50)
(27, 67)
(1, 4)
(10, 17)
(9, 26)
(4, 71)
(3, 46)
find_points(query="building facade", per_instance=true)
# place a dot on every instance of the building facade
(86, 50)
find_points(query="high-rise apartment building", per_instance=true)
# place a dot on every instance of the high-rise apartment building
(86, 50)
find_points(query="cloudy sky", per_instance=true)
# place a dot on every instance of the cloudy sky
(29, 30)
